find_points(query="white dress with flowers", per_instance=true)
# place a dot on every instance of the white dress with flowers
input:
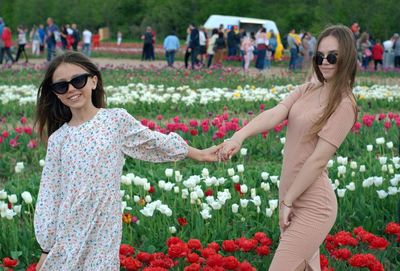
(78, 216)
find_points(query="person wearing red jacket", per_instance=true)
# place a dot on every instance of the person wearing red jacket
(377, 53)
(6, 37)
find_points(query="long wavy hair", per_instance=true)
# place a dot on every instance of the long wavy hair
(343, 79)
(51, 113)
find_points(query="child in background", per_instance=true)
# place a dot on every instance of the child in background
(377, 54)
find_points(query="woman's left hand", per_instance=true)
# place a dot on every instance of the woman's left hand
(285, 216)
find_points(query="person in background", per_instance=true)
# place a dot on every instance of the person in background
(248, 51)
(219, 46)
(272, 43)
(51, 31)
(6, 37)
(388, 55)
(194, 44)
(119, 38)
(21, 43)
(293, 42)
(396, 48)
(377, 54)
(203, 44)
(35, 37)
(147, 38)
(77, 37)
(87, 42)
(42, 35)
(171, 46)
(211, 46)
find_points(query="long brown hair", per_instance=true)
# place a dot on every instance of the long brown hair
(51, 113)
(343, 80)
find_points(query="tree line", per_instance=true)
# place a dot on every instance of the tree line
(379, 17)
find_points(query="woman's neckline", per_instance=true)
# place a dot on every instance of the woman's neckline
(85, 122)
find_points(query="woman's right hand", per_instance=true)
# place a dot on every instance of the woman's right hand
(229, 148)
(41, 261)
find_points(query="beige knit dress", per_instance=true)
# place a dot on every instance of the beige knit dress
(314, 212)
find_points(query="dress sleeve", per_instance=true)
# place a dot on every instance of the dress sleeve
(48, 201)
(289, 100)
(339, 124)
(141, 143)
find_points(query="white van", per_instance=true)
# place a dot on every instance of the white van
(250, 24)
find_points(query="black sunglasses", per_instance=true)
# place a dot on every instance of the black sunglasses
(77, 82)
(331, 58)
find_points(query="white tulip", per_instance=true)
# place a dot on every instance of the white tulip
(205, 172)
(231, 172)
(341, 192)
(122, 193)
(378, 181)
(3, 194)
(3, 206)
(185, 193)
(19, 167)
(380, 140)
(382, 194)
(265, 186)
(353, 165)
(268, 212)
(168, 186)
(235, 208)
(244, 203)
(253, 192)
(370, 148)
(264, 175)
(257, 201)
(330, 163)
(172, 230)
(391, 169)
(283, 140)
(243, 188)
(216, 205)
(17, 209)
(178, 176)
(351, 186)
(205, 214)
(221, 181)
(383, 160)
(193, 196)
(147, 198)
(243, 151)
(41, 162)
(169, 172)
(274, 179)
(362, 168)
(146, 186)
(130, 176)
(368, 182)
(13, 198)
(341, 170)
(392, 190)
(394, 181)
(176, 189)
(389, 145)
(161, 184)
(9, 214)
(384, 168)
(240, 168)
(136, 199)
(273, 204)
(235, 179)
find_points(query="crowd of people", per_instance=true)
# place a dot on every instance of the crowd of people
(384, 55)
(202, 48)
(52, 38)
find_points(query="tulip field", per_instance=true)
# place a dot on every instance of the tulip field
(213, 216)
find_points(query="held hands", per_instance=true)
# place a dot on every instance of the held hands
(228, 149)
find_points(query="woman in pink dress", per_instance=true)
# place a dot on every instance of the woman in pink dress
(319, 114)
(78, 211)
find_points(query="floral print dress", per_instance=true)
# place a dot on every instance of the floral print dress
(78, 216)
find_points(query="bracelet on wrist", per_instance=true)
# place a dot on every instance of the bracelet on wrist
(284, 204)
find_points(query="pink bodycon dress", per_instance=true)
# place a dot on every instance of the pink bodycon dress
(314, 212)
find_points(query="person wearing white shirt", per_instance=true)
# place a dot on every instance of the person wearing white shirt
(87, 40)
(388, 55)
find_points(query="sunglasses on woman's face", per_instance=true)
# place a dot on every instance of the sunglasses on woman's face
(331, 58)
(77, 82)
